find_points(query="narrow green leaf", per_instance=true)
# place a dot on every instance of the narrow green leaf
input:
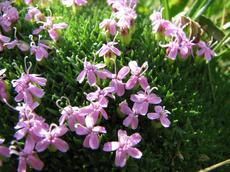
(195, 7)
(203, 8)
(165, 4)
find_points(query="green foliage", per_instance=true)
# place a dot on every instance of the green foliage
(200, 131)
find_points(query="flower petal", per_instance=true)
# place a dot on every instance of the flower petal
(120, 159)
(134, 152)
(94, 141)
(111, 146)
(35, 162)
(61, 145)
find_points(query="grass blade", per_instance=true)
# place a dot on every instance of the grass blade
(165, 4)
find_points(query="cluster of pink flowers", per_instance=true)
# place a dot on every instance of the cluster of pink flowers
(70, 3)
(35, 15)
(180, 43)
(32, 129)
(40, 49)
(123, 17)
(88, 118)
(8, 16)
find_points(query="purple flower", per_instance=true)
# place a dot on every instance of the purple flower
(92, 134)
(143, 99)
(117, 83)
(4, 151)
(28, 2)
(27, 87)
(23, 46)
(39, 50)
(69, 3)
(28, 126)
(205, 51)
(3, 41)
(34, 14)
(31, 159)
(9, 15)
(100, 95)
(51, 137)
(158, 23)
(91, 71)
(124, 147)
(161, 114)
(3, 93)
(71, 115)
(51, 28)
(137, 75)
(172, 49)
(109, 50)
(92, 112)
(109, 25)
(132, 118)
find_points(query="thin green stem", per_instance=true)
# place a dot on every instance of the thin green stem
(211, 82)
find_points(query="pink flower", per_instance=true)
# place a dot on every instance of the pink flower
(71, 115)
(137, 75)
(109, 25)
(3, 40)
(23, 46)
(69, 3)
(39, 50)
(28, 2)
(80, 2)
(124, 147)
(27, 87)
(9, 15)
(205, 51)
(51, 137)
(172, 49)
(158, 23)
(143, 99)
(34, 14)
(100, 95)
(92, 134)
(91, 71)
(92, 112)
(28, 126)
(31, 159)
(161, 114)
(3, 93)
(132, 118)
(51, 28)
(117, 83)
(109, 50)
(4, 151)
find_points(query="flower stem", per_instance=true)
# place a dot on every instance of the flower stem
(211, 82)
(216, 166)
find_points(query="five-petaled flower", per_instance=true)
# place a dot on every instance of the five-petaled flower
(51, 138)
(132, 118)
(92, 134)
(205, 51)
(160, 114)
(109, 50)
(142, 100)
(117, 83)
(137, 76)
(124, 147)
(91, 71)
